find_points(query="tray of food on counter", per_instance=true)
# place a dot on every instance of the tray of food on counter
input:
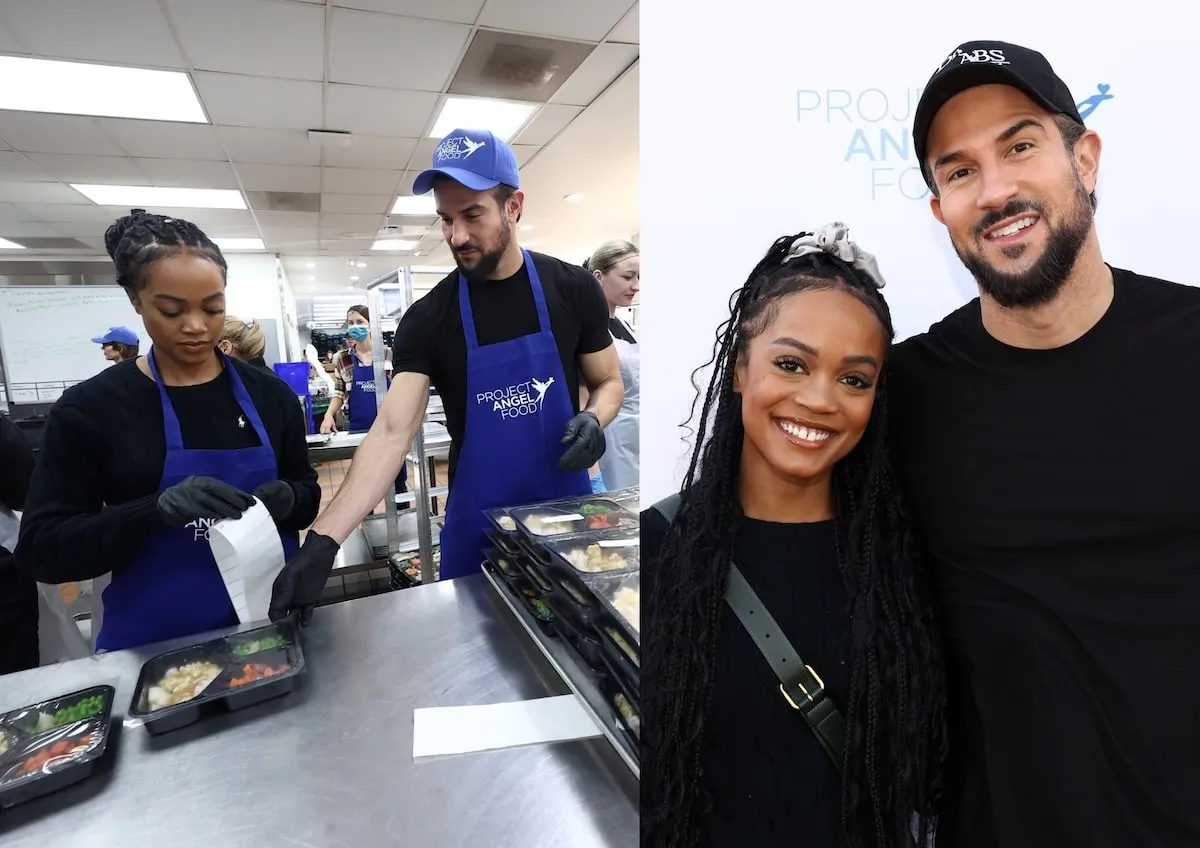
(628, 715)
(510, 543)
(597, 553)
(529, 597)
(570, 516)
(236, 671)
(629, 499)
(48, 746)
(405, 569)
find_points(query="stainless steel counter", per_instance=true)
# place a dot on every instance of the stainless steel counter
(330, 765)
(343, 445)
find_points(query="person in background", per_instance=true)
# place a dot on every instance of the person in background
(244, 339)
(617, 265)
(790, 482)
(18, 590)
(118, 344)
(136, 463)
(1066, 553)
(506, 339)
(354, 381)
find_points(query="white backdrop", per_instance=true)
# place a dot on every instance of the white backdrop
(767, 117)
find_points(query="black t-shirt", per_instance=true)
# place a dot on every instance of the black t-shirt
(93, 498)
(1057, 491)
(430, 338)
(767, 776)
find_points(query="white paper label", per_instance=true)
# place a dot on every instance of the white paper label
(618, 543)
(559, 519)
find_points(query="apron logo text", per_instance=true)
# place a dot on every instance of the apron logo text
(517, 400)
(200, 528)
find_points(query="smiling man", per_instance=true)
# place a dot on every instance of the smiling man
(1045, 434)
(506, 340)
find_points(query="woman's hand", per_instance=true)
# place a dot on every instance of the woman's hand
(328, 424)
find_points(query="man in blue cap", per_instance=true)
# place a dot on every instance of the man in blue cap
(508, 340)
(118, 344)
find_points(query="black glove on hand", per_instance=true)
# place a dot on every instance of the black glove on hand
(278, 497)
(584, 438)
(201, 497)
(299, 585)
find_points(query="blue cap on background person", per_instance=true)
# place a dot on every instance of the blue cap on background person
(474, 158)
(118, 335)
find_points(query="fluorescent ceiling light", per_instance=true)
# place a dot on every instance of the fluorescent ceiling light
(151, 196)
(5, 244)
(502, 117)
(240, 244)
(395, 244)
(573, 198)
(421, 204)
(76, 88)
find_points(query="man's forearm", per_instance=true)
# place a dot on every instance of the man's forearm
(605, 400)
(376, 464)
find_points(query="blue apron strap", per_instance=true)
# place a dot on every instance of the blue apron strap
(244, 401)
(539, 296)
(170, 420)
(468, 316)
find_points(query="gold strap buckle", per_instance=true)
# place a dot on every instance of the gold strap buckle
(811, 696)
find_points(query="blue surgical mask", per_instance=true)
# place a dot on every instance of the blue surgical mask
(359, 334)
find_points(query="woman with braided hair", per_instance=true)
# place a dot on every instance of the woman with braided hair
(792, 684)
(138, 462)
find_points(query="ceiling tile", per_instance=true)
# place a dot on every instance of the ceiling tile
(459, 11)
(524, 152)
(605, 64)
(103, 32)
(385, 50)
(628, 30)
(590, 21)
(200, 217)
(259, 102)
(279, 177)
(372, 152)
(15, 166)
(366, 225)
(65, 213)
(40, 133)
(357, 181)
(9, 42)
(361, 203)
(423, 156)
(290, 235)
(95, 170)
(29, 229)
(270, 220)
(258, 37)
(547, 123)
(216, 231)
(83, 229)
(406, 182)
(164, 140)
(278, 147)
(379, 111)
(178, 173)
(26, 193)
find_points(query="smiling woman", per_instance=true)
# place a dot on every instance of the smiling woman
(137, 462)
(790, 498)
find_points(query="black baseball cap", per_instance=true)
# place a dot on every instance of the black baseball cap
(990, 63)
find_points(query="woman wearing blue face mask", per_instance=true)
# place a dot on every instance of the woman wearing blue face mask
(354, 381)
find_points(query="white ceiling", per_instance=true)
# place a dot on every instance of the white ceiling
(267, 71)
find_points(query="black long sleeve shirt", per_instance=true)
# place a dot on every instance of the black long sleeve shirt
(94, 494)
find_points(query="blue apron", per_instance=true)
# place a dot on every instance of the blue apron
(518, 406)
(173, 587)
(364, 407)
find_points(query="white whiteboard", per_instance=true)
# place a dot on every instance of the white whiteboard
(46, 333)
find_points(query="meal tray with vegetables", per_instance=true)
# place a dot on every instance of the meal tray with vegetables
(236, 671)
(597, 553)
(567, 517)
(49, 746)
(621, 596)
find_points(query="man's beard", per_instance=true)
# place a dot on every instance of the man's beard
(489, 261)
(1042, 281)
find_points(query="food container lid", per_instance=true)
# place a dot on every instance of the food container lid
(501, 520)
(54, 735)
(620, 596)
(572, 516)
(598, 553)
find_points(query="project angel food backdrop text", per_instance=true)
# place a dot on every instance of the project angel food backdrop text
(766, 119)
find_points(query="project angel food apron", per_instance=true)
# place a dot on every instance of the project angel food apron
(518, 406)
(619, 465)
(173, 587)
(364, 407)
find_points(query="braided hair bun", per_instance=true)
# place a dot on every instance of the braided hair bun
(139, 239)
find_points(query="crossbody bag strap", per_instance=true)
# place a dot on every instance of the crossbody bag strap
(798, 682)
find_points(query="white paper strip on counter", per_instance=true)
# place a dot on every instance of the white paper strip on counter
(442, 731)
(250, 555)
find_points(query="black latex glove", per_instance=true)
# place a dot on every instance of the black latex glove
(584, 438)
(278, 497)
(201, 497)
(299, 585)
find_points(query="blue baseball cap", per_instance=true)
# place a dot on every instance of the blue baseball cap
(474, 158)
(118, 335)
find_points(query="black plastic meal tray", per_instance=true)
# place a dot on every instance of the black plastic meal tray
(517, 587)
(17, 790)
(509, 543)
(616, 658)
(219, 694)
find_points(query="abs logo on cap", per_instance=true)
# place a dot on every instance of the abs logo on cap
(455, 148)
(974, 57)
